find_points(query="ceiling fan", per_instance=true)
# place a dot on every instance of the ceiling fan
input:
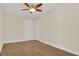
(33, 8)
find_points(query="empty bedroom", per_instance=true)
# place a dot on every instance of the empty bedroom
(39, 29)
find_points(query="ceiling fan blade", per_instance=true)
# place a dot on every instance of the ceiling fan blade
(39, 10)
(27, 5)
(37, 6)
(25, 9)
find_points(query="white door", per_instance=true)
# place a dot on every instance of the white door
(29, 29)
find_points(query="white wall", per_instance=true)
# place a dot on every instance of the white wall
(61, 28)
(1, 28)
(17, 28)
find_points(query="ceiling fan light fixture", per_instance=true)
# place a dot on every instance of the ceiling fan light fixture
(32, 9)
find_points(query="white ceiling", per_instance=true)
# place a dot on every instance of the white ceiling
(15, 9)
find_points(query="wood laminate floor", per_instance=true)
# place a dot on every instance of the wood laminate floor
(32, 48)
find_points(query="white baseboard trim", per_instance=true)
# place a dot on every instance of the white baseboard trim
(60, 47)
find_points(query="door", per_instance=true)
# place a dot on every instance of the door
(29, 29)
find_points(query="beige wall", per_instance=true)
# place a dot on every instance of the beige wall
(61, 27)
(1, 28)
(70, 28)
(15, 28)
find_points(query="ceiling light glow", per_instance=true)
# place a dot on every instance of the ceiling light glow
(32, 10)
